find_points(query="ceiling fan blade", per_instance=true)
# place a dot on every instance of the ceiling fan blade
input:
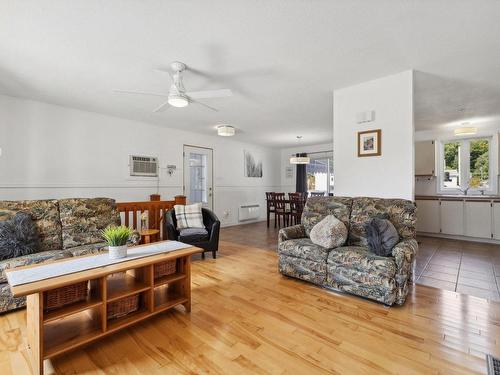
(191, 100)
(162, 107)
(210, 94)
(141, 92)
(163, 72)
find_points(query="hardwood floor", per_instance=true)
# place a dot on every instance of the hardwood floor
(247, 318)
(471, 268)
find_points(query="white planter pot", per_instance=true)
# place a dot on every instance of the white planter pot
(117, 252)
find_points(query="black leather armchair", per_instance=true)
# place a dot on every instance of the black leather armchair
(208, 242)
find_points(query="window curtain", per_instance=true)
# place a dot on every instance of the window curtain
(301, 180)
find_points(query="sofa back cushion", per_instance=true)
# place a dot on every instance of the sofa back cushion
(83, 219)
(317, 208)
(45, 214)
(401, 213)
(18, 235)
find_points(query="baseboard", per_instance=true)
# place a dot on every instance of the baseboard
(460, 238)
(243, 223)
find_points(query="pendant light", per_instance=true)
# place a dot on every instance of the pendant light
(300, 158)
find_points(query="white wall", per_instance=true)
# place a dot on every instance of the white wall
(50, 151)
(390, 175)
(288, 183)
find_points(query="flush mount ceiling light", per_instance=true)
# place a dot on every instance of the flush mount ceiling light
(300, 158)
(226, 130)
(466, 130)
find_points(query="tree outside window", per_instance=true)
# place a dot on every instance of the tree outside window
(466, 164)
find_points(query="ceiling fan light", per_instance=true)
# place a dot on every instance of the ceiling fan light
(225, 130)
(465, 131)
(177, 100)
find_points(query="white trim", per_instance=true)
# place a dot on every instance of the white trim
(457, 237)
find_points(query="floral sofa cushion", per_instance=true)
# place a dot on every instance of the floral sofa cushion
(45, 214)
(359, 259)
(83, 219)
(401, 212)
(317, 208)
(303, 248)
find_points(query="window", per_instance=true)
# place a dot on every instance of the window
(465, 164)
(320, 173)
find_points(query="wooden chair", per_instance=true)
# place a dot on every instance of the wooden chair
(281, 211)
(296, 207)
(270, 207)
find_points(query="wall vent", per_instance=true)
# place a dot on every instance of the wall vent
(144, 166)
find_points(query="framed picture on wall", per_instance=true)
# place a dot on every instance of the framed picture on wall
(253, 165)
(370, 143)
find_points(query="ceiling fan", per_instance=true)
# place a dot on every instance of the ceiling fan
(177, 96)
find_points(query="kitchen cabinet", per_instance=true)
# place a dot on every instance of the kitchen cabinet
(425, 158)
(452, 217)
(477, 219)
(496, 220)
(428, 216)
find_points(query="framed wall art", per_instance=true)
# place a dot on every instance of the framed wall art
(370, 143)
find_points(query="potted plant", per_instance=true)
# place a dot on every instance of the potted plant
(116, 238)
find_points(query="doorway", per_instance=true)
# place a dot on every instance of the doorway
(198, 175)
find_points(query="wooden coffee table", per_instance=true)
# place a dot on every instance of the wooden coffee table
(52, 333)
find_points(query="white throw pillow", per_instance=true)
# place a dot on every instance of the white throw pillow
(329, 233)
(189, 216)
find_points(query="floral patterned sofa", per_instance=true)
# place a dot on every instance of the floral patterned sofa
(352, 268)
(66, 228)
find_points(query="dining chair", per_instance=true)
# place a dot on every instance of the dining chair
(296, 207)
(270, 207)
(281, 211)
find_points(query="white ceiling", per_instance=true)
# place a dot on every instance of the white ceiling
(281, 58)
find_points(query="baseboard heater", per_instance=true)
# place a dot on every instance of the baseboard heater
(248, 212)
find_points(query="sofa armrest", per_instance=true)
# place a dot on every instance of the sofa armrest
(404, 254)
(290, 233)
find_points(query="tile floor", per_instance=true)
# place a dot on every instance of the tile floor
(465, 267)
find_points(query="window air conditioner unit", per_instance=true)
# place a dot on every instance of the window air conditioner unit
(143, 166)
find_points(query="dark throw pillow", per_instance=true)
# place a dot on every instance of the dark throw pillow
(381, 235)
(18, 236)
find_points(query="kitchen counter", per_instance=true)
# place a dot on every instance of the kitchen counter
(467, 198)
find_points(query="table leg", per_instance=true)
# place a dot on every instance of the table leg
(187, 287)
(34, 317)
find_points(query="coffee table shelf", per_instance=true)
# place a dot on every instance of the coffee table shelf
(74, 308)
(170, 278)
(71, 331)
(55, 332)
(124, 285)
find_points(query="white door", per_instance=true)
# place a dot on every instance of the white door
(478, 219)
(198, 175)
(428, 216)
(452, 217)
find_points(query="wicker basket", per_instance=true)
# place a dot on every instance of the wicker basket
(123, 306)
(165, 268)
(66, 295)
